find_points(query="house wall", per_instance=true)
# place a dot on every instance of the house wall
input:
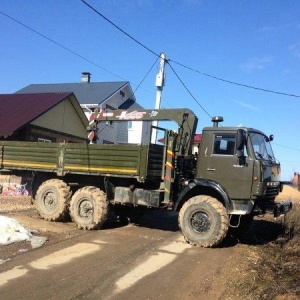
(118, 132)
(91, 94)
(135, 132)
(296, 180)
(195, 148)
(62, 118)
(108, 132)
(32, 133)
(61, 123)
(138, 132)
(39, 134)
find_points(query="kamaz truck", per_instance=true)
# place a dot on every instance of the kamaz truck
(218, 189)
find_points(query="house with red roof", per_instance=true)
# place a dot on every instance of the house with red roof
(105, 95)
(42, 117)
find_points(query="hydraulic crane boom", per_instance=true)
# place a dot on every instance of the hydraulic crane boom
(184, 117)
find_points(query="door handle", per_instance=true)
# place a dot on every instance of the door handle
(210, 169)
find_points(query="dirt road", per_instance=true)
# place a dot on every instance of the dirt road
(149, 261)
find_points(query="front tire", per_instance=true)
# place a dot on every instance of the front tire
(89, 208)
(203, 221)
(52, 200)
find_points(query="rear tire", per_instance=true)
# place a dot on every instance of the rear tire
(203, 221)
(89, 208)
(36, 182)
(52, 200)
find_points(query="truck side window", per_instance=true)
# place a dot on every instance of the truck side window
(224, 144)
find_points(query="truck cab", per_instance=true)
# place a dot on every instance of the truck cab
(241, 160)
(236, 178)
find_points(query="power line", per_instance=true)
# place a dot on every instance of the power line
(148, 49)
(236, 83)
(286, 147)
(82, 57)
(158, 56)
(69, 50)
(60, 45)
(120, 29)
(145, 76)
(187, 67)
(127, 34)
(186, 88)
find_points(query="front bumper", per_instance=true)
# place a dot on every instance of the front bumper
(281, 208)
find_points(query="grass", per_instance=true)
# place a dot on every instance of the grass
(273, 256)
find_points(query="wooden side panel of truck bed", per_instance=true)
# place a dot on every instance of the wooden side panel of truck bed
(123, 160)
(104, 159)
(28, 156)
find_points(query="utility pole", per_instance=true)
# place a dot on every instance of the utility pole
(159, 82)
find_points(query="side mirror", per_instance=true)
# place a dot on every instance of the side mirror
(240, 144)
(240, 140)
(240, 153)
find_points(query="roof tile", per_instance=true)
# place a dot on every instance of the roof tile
(86, 93)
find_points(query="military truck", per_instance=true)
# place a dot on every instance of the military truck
(233, 177)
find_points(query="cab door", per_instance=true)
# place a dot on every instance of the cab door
(221, 165)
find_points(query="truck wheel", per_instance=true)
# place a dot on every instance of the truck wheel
(203, 221)
(89, 208)
(52, 200)
(37, 181)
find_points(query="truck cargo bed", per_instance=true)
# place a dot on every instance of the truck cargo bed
(89, 159)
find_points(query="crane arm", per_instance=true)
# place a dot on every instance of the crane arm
(184, 117)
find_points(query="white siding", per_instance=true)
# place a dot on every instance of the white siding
(135, 132)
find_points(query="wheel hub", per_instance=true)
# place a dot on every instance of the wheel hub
(50, 201)
(200, 222)
(86, 209)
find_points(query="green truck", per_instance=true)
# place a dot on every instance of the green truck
(217, 190)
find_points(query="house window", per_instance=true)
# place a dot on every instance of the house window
(44, 140)
(129, 125)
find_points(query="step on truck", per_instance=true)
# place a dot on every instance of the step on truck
(218, 190)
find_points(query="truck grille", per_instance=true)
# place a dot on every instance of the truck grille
(272, 192)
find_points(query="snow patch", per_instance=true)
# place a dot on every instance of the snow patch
(11, 231)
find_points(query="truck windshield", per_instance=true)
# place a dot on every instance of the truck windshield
(261, 146)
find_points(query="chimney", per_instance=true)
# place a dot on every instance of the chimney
(86, 77)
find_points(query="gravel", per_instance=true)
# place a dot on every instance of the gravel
(14, 203)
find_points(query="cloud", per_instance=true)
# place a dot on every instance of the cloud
(256, 63)
(286, 72)
(246, 105)
(295, 49)
(269, 28)
(276, 29)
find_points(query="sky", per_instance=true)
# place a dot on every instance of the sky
(253, 43)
